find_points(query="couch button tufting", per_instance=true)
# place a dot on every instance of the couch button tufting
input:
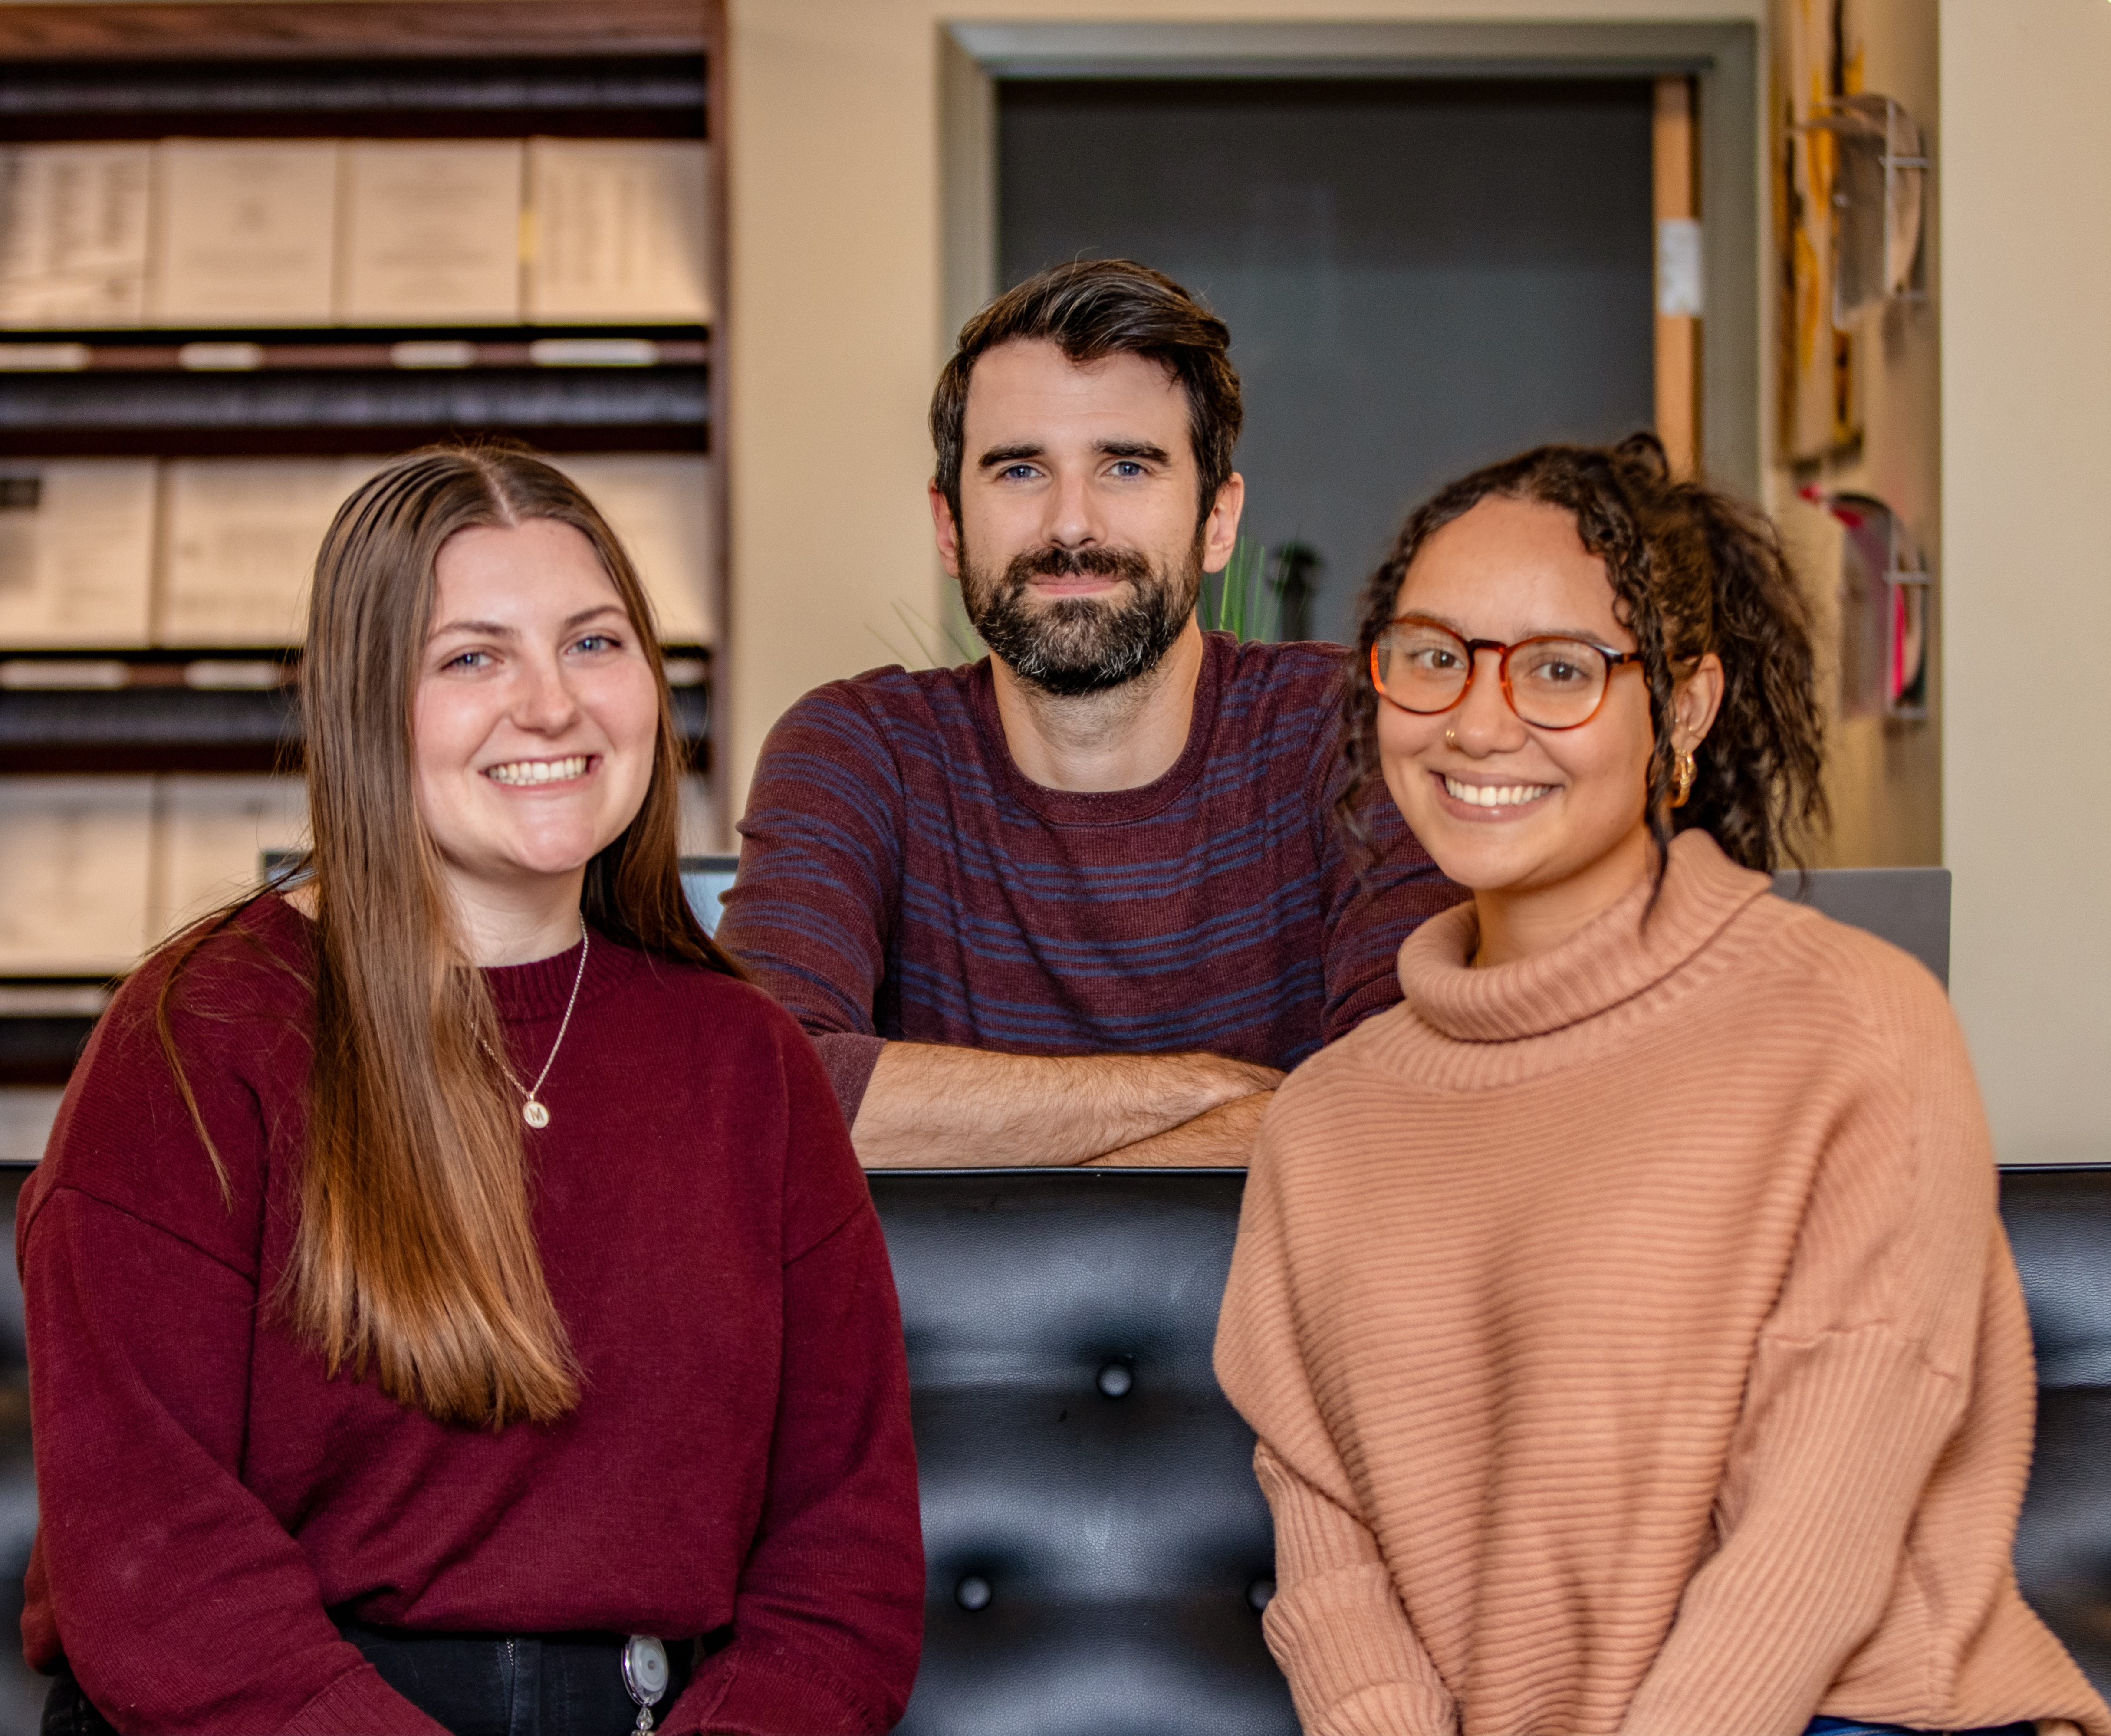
(1115, 1380)
(1259, 1594)
(973, 1593)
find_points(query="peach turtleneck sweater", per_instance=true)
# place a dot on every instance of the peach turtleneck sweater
(1634, 1346)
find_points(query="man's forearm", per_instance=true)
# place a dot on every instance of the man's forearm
(928, 1106)
(1224, 1139)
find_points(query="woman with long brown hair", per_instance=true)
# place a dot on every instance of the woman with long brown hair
(1625, 1316)
(453, 1302)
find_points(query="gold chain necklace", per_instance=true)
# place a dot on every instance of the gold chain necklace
(534, 1112)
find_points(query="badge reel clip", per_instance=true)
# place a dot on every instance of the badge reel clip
(645, 1673)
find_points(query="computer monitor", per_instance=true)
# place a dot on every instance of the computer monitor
(705, 879)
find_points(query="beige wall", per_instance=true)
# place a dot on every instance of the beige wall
(2026, 198)
(835, 315)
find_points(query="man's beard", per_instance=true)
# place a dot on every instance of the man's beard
(1074, 645)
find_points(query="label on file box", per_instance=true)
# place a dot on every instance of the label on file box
(73, 235)
(239, 541)
(617, 232)
(76, 552)
(214, 832)
(245, 232)
(74, 854)
(431, 234)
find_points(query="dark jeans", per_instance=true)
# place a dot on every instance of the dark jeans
(1855, 1727)
(539, 1684)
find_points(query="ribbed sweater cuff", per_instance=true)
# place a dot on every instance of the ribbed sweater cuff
(1313, 1536)
(360, 1703)
(1390, 1709)
(748, 1697)
(1354, 1665)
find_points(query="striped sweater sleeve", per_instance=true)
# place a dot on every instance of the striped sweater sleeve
(821, 878)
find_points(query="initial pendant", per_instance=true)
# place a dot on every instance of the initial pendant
(535, 1114)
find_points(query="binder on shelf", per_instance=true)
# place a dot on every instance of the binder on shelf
(659, 505)
(617, 232)
(431, 233)
(73, 235)
(245, 232)
(213, 832)
(75, 875)
(76, 552)
(239, 537)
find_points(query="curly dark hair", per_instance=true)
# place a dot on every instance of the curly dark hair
(1692, 572)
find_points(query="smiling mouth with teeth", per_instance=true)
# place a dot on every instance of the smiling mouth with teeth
(1496, 795)
(522, 773)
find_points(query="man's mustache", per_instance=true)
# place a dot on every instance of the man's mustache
(1051, 562)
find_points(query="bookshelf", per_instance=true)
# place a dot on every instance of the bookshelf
(342, 384)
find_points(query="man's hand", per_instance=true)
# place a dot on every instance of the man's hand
(1224, 1139)
(932, 1107)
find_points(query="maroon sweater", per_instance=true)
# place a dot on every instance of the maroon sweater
(741, 1455)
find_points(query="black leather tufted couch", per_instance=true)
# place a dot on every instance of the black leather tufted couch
(1098, 1550)
(2059, 1225)
(1098, 1545)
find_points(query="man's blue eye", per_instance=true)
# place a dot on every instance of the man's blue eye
(1017, 470)
(1129, 467)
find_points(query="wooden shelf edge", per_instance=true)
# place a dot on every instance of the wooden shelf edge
(326, 30)
(29, 353)
(378, 439)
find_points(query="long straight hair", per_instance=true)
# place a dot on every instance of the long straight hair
(415, 1263)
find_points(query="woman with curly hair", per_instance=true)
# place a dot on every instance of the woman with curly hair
(1625, 1317)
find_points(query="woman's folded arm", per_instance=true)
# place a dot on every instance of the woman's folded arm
(1355, 1665)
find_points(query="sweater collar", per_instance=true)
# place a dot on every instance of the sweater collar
(1611, 959)
(524, 994)
(1071, 807)
(521, 994)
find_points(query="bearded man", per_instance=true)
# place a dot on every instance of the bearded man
(1086, 900)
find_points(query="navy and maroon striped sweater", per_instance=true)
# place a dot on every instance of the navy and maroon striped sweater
(901, 878)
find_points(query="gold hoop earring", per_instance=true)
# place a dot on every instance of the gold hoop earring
(1682, 772)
